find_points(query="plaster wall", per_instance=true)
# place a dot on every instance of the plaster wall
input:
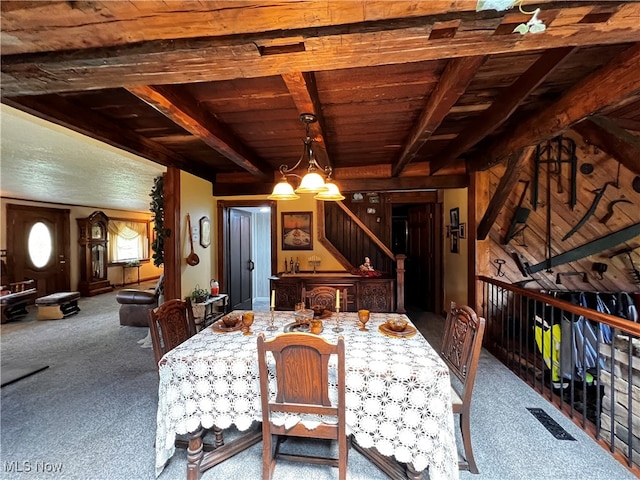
(455, 264)
(195, 200)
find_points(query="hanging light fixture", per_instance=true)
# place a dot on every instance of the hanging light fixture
(314, 180)
(332, 193)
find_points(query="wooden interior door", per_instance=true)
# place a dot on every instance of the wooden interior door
(240, 263)
(422, 279)
(52, 276)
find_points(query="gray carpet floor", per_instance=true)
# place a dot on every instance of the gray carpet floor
(91, 414)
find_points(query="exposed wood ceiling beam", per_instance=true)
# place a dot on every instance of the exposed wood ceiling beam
(454, 81)
(84, 25)
(615, 141)
(515, 164)
(627, 124)
(330, 47)
(109, 23)
(304, 92)
(356, 185)
(62, 112)
(503, 106)
(609, 84)
(184, 111)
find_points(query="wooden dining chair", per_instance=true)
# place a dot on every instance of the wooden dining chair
(461, 345)
(170, 324)
(325, 297)
(301, 387)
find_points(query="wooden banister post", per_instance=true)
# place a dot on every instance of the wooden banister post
(400, 283)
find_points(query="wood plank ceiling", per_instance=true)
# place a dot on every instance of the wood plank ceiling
(409, 94)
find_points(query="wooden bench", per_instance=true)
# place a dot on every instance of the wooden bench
(13, 305)
(57, 305)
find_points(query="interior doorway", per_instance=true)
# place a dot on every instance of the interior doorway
(416, 233)
(247, 254)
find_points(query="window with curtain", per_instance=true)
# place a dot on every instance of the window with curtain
(128, 240)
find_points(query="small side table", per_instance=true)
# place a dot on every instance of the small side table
(214, 308)
(124, 268)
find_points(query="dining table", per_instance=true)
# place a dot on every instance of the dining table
(398, 394)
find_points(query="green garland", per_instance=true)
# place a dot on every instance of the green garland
(157, 208)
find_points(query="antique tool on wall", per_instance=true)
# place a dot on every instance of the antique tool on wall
(635, 273)
(555, 153)
(599, 268)
(599, 194)
(520, 217)
(607, 216)
(591, 248)
(500, 262)
(559, 276)
(192, 258)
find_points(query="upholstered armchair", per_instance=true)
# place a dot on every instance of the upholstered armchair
(135, 304)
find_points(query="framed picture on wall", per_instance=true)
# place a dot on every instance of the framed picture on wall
(454, 241)
(297, 230)
(454, 215)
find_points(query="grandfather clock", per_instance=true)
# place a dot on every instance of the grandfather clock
(93, 254)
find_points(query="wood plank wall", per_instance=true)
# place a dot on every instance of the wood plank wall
(532, 245)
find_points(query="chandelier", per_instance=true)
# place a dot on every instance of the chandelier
(317, 179)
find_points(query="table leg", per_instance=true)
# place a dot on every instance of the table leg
(219, 439)
(413, 474)
(388, 465)
(195, 454)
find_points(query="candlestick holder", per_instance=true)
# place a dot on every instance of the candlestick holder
(337, 328)
(272, 327)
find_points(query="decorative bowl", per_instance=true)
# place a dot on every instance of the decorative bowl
(397, 324)
(231, 320)
(317, 310)
(303, 316)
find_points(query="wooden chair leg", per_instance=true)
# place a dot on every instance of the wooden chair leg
(343, 451)
(267, 454)
(466, 440)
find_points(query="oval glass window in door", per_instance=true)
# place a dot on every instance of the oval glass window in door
(40, 245)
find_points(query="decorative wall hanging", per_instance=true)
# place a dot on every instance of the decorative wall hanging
(297, 230)
(454, 217)
(205, 232)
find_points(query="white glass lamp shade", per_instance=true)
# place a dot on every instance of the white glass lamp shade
(312, 182)
(332, 193)
(283, 191)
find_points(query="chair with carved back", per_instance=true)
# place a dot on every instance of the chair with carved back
(325, 297)
(461, 346)
(170, 325)
(301, 387)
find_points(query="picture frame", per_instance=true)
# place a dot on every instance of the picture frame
(454, 242)
(297, 231)
(205, 232)
(462, 230)
(454, 217)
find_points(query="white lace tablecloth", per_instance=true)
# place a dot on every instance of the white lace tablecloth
(397, 391)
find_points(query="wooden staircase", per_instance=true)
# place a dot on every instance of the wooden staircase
(342, 233)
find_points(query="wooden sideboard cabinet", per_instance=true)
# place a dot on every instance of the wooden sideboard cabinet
(376, 294)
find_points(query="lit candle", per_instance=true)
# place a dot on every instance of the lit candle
(273, 298)
(337, 299)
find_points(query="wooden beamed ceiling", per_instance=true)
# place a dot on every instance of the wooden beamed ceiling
(409, 95)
